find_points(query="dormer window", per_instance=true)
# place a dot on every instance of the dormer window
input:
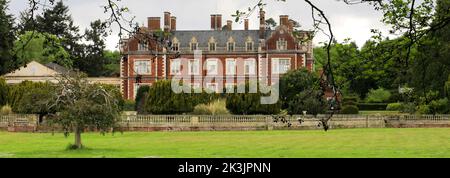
(175, 44)
(175, 47)
(230, 44)
(249, 46)
(281, 44)
(212, 46)
(143, 46)
(194, 44)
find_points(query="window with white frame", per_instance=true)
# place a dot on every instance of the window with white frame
(281, 66)
(231, 67)
(229, 87)
(212, 46)
(281, 44)
(194, 46)
(212, 66)
(175, 67)
(249, 46)
(230, 46)
(142, 67)
(194, 67)
(212, 86)
(175, 47)
(250, 67)
(143, 46)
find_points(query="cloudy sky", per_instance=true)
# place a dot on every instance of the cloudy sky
(348, 21)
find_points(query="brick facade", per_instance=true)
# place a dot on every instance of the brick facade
(262, 46)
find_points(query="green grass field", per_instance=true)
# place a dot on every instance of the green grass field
(345, 143)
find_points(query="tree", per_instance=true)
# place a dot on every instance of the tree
(36, 101)
(250, 103)
(112, 59)
(7, 37)
(162, 100)
(312, 101)
(141, 95)
(94, 62)
(270, 24)
(41, 47)
(3, 92)
(82, 105)
(294, 82)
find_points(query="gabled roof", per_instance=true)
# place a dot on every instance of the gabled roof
(36, 69)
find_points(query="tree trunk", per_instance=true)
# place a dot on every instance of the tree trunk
(78, 144)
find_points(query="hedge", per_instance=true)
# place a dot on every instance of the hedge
(372, 106)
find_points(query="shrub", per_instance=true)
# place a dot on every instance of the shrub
(217, 107)
(161, 99)
(3, 92)
(310, 101)
(394, 107)
(408, 108)
(378, 96)
(5, 110)
(440, 106)
(372, 106)
(129, 105)
(350, 109)
(250, 103)
(294, 82)
(141, 95)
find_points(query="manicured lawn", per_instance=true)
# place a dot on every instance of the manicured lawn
(433, 142)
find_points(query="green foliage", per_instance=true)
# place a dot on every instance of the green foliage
(162, 100)
(141, 95)
(250, 103)
(350, 105)
(394, 107)
(82, 105)
(4, 89)
(37, 100)
(112, 66)
(294, 82)
(350, 109)
(217, 107)
(5, 110)
(41, 47)
(311, 101)
(16, 92)
(129, 105)
(7, 37)
(441, 106)
(378, 96)
(372, 106)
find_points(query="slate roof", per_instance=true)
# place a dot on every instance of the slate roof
(221, 37)
(57, 68)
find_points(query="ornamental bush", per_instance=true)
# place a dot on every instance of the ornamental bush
(394, 107)
(378, 96)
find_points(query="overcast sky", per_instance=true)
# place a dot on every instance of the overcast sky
(353, 21)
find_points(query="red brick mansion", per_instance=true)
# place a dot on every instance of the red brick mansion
(217, 58)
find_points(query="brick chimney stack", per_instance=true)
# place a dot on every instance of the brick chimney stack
(173, 23)
(246, 24)
(230, 25)
(154, 23)
(284, 20)
(216, 22)
(262, 24)
(167, 20)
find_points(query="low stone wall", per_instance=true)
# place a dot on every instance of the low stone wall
(149, 123)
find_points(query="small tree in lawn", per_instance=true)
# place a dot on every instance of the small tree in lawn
(84, 105)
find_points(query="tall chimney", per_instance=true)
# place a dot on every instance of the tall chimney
(173, 23)
(219, 21)
(213, 22)
(167, 21)
(216, 22)
(262, 24)
(284, 20)
(154, 23)
(229, 25)
(246, 24)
